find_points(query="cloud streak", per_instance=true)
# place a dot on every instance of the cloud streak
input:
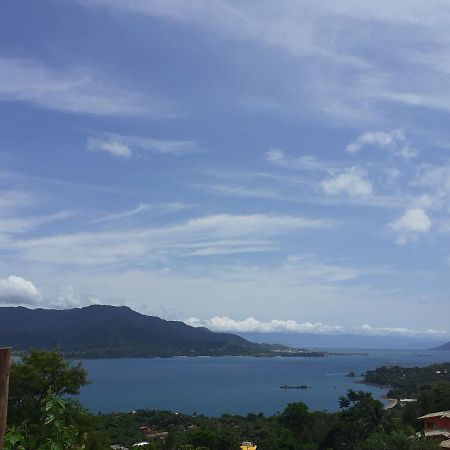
(124, 146)
(197, 236)
(142, 207)
(78, 90)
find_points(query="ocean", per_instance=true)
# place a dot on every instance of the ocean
(235, 385)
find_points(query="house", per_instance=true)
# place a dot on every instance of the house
(438, 421)
(248, 446)
(405, 401)
(151, 433)
(146, 429)
(436, 426)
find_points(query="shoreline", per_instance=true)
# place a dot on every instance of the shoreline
(392, 403)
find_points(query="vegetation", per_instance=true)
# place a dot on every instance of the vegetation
(408, 382)
(43, 418)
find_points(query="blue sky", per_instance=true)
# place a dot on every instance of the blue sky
(257, 166)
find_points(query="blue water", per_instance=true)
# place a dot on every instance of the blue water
(234, 385)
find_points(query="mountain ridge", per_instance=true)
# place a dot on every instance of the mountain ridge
(105, 331)
(445, 346)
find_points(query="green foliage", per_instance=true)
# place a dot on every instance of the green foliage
(34, 376)
(360, 416)
(409, 381)
(54, 432)
(296, 418)
(399, 440)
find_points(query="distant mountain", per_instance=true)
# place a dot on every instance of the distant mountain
(445, 346)
(343, 341)
(108, 331)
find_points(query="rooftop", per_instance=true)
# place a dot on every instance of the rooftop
(440, 414)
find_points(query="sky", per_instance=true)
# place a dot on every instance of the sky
(246, 166)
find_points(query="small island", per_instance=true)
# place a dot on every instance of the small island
(295, 386)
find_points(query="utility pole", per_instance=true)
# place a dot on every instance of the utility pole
(5, 364)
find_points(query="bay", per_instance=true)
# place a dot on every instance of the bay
(235, 385)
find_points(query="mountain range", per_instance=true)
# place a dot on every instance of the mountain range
(445, 346)
(110, 331)
(344, 341)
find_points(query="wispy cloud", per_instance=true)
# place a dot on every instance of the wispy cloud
(126, 246)
(19, 223)
(346, 186)
(128, 146)
(142, 207)
(394, 140)
(78, 90)
(307, 162)
(333, 63)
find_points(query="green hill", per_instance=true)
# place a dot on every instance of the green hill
(103, 331)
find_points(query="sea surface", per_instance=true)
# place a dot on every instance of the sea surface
(236, 385)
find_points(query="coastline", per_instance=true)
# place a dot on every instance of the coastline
(392, 403)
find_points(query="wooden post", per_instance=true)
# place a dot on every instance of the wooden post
(5, 364)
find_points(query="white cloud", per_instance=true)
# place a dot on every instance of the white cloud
(436, 180)
(68, 298)
(127, 146)
(78, 90)
(114, 148)
(412, 224)
(252, 325)
(17, 290)
(394, 140)
(352, 181)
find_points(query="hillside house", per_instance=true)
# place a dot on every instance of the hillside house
(436, 426)
(248, 446)
(438, 421)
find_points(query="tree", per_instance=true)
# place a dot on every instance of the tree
(399, 440)
(54, 433)
(34, 376)
(360, 416)
(296, 418)
(212, 439)
(39, 415)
